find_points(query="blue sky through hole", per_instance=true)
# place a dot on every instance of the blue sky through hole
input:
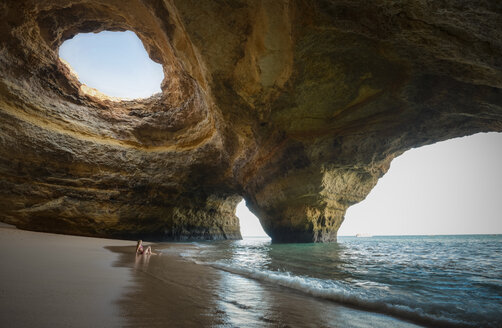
(115, 63)
(451, 187)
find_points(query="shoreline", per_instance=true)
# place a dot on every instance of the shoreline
(52, 280)
(213, 297)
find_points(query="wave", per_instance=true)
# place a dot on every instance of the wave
(343, 295)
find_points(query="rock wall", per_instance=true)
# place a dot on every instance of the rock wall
(297, 106)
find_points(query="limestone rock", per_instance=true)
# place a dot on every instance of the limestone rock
(297, 106)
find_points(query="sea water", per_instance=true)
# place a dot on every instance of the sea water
(429, 280)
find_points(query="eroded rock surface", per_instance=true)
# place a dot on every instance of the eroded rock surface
(297, 106)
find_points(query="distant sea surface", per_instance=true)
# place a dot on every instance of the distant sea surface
(429, 280)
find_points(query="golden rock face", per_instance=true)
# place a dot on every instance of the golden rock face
(298, 107)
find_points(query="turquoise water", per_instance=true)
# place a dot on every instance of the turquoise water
(430, 280)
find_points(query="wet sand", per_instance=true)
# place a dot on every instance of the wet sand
(50, 280)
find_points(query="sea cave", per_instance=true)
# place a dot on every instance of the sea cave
(298, 107)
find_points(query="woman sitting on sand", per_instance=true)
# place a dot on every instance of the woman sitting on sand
(141, 250)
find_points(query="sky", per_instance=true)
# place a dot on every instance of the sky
(451, 187)
(115, 63)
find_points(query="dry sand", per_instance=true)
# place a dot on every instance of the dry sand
(50, 280)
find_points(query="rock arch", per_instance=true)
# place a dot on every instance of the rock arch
(297, 106)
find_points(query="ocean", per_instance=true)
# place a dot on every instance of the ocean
(436, 281)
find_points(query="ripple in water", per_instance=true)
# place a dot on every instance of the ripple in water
(433, 280)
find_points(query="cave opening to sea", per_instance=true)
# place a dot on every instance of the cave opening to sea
(451, 187)
(114, 63)
(249, 223)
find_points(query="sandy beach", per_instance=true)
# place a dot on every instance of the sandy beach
(50, 280)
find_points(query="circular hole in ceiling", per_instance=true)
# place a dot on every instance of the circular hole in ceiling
(114, 63)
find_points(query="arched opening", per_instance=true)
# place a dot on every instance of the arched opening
(451, 187)
(114, 63)
(249, 223)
